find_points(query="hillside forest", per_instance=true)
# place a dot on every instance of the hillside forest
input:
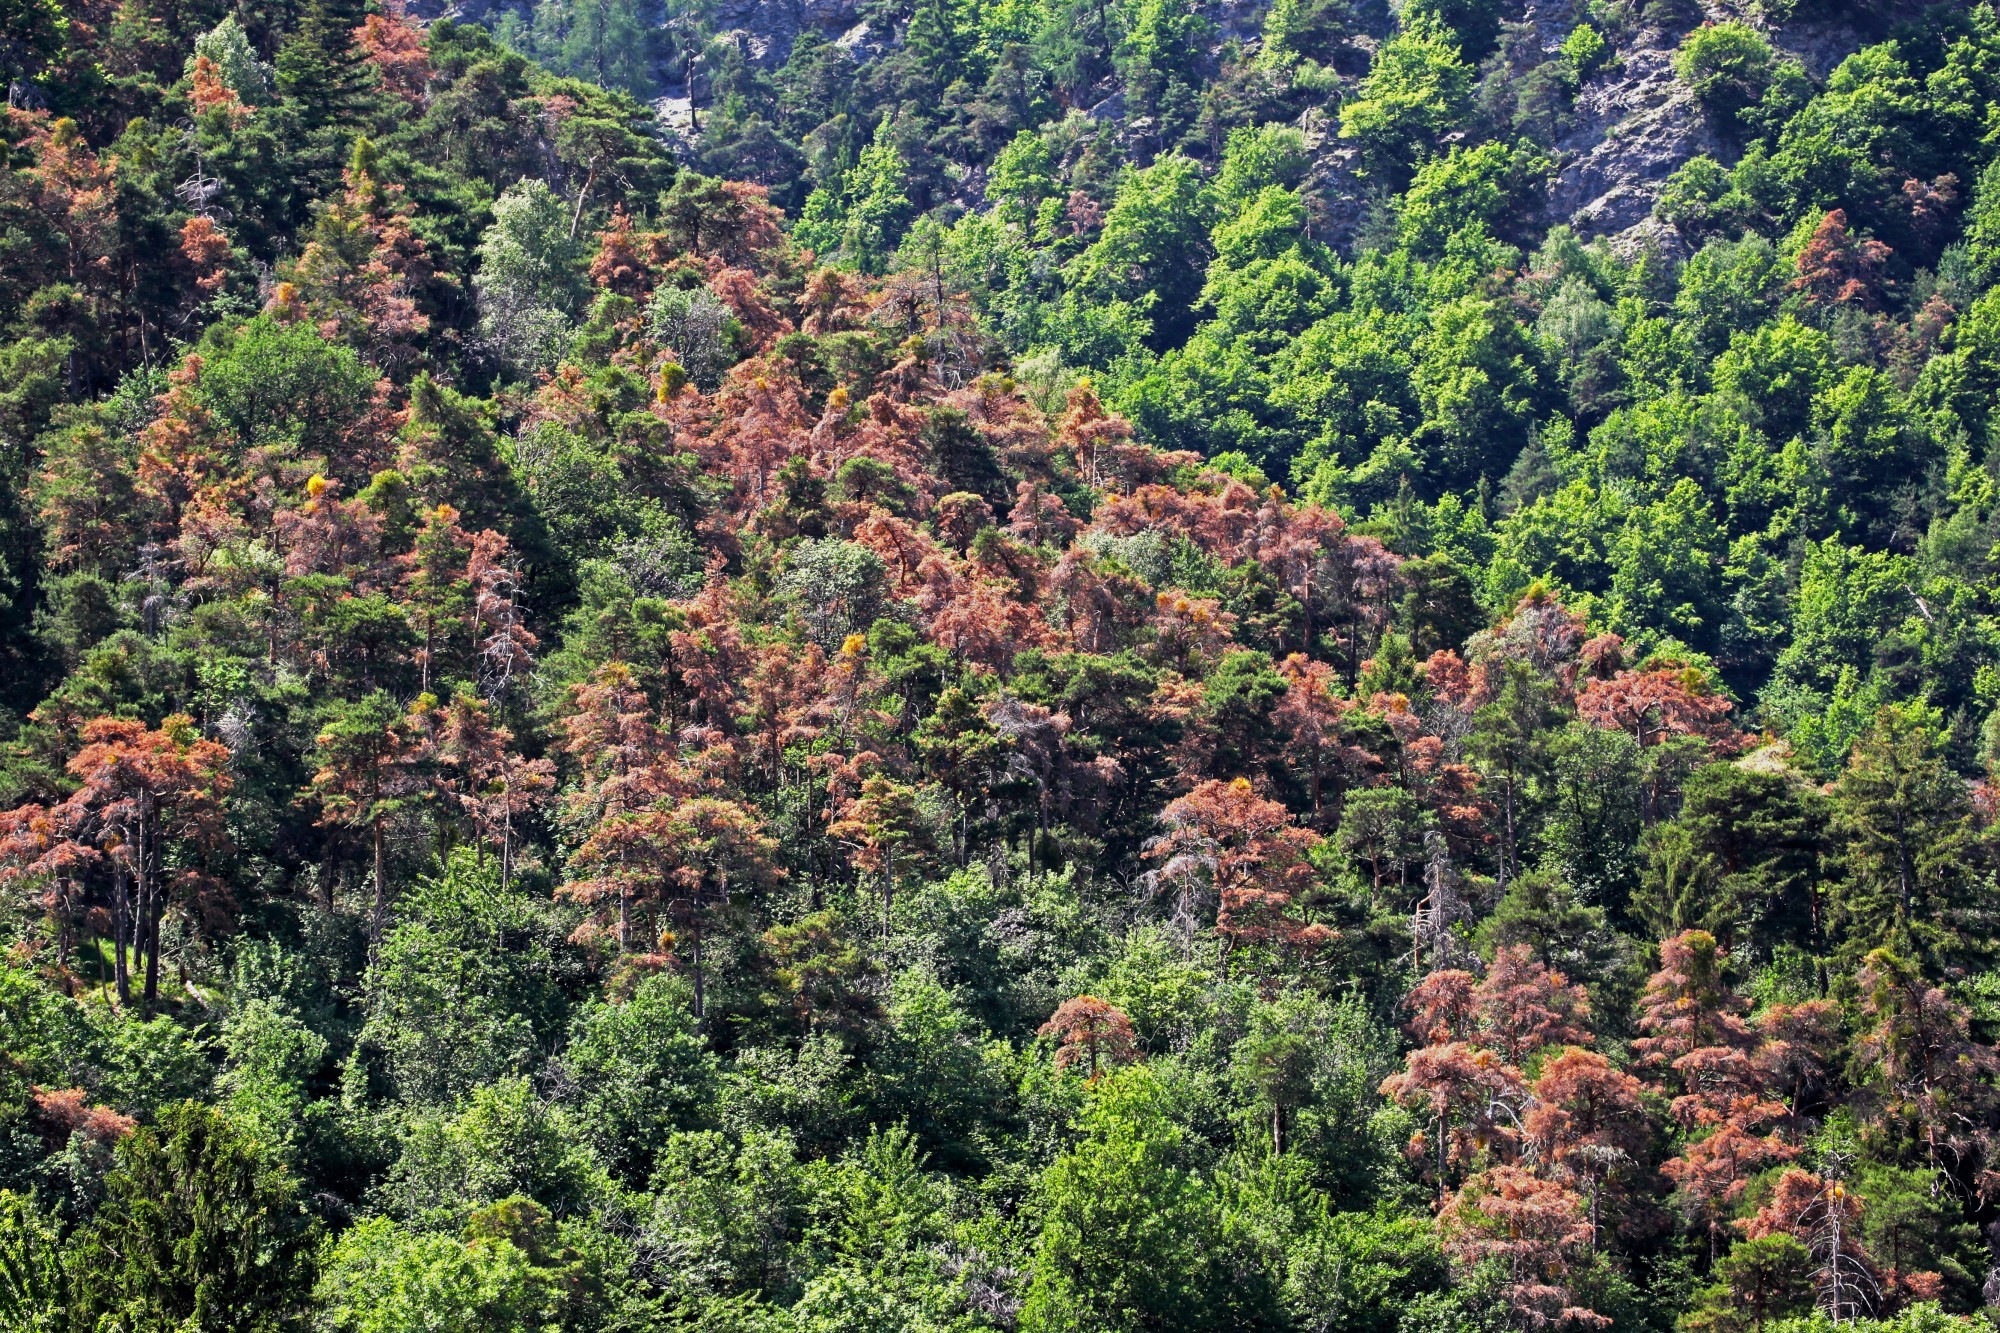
(1076, 666)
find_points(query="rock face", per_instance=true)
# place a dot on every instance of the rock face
(772, 25)
(1632, 125)
(1635, 124)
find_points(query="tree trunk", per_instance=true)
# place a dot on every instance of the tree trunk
(589, 180)
(700, 996)
(152, 925)
(148, 926)
(121, 920)
(381, 888)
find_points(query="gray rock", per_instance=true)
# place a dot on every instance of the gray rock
(776, 24)
(1635, 125)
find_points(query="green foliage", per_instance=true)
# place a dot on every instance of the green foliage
(33, 1294)
(1585, 49)
(283, 389)
(381, 1278)
(636, 1072)
(1914, 858)
(504, 1141)
(1726, 65)
(530, 282)
(236, 63)
(1742, 860)
(198, 1225)
(1128, 1231)
(739, 642)
(463, 990)
(1417, 88)
(608, 42)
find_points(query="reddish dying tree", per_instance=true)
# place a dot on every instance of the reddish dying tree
(1477, 1033)
(206, 252)
(146, 795)
(1315, 723)
(1101, 444)
(1227, 845)
(39, 849)
(1445, 1006)
(1935, 1084)
(1657, 703)
(1697, 1040)
(627, 766)
(1542, 634)
(1586, 1125)
(677, 858)
(72, 190)
(1836, 268)
(434, 592)
(1525, 1006)
(181, 451)
(1473, 1099)
(885, 829)
(779, 704)
(484, 778)
(1825, 1217)
(395, 46)
(1687, 1004)
(1801, 1045)
(1535, 1230)
(66, 1112)
(1092, 1033)
(359, 273)
(1519, 1007)
(210, 93)
(506, 645)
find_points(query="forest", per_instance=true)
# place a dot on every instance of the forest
(1076, 666)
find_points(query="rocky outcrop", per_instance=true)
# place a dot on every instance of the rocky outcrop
(1630, 127)
(1634, 125)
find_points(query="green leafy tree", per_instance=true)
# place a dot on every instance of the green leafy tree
(637, 1071)
(465, 988)
(503, 1141)
(608, 42)
(199, 1228)
(1129, 1233)
(235, 60)
(1727, 65)
(371, 758)
(530, 281)
(1743, 860)
(1418, 87)
(33, 1287)
(1510, 740)
(319, 68)
(383, 1278)
(1151, 256)
(1915, 862)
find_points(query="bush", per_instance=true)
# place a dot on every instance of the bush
(1586, 50)
(1727, 65)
